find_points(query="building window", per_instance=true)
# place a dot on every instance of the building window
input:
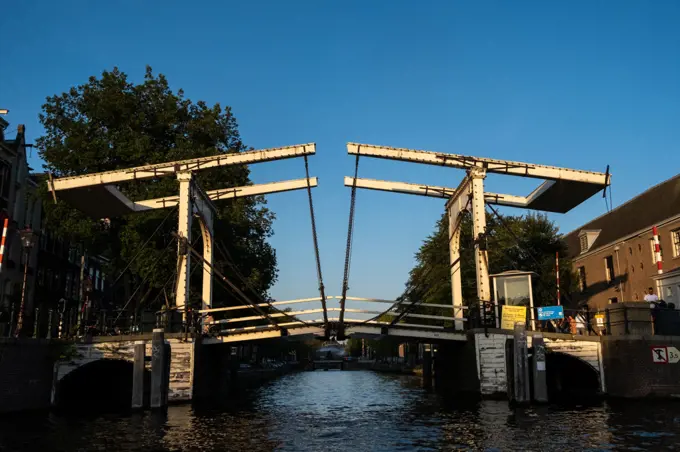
(613, 300)
(584, 243)
(4, 179)
(582, 279)
(675, 240)
(669, 292)
(609, 268)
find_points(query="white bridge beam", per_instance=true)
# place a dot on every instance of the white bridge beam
(230, 193)
(432, 191)
(467, 162)
(172, 168)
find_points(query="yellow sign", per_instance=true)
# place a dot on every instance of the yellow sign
(512, 315)
(599, 320)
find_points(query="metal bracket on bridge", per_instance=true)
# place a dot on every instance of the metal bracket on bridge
(183, 248)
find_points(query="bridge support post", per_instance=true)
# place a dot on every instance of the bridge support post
(427, 366)
(454, 209)
(521, 365)
(207, 231)
(477, 176)
(160, 369)
(540, 379)
(138, 376)
(184, 231)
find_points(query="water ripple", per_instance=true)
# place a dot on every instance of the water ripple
(353, 411)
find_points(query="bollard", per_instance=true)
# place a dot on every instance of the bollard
(510, 368)
(49, 324)
(160, 359)
(521, 364)
(138, 376)
(35, 323)
(540, 375)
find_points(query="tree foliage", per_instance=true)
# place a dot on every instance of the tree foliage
(514, 243)
(111, 123)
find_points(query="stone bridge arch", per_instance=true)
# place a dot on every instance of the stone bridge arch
(84, 356)
(100, 384)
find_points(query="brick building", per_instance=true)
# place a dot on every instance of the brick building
(22, 209)
(53, 271)
(613, 255)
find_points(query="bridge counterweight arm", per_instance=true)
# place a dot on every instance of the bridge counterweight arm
(172, 168)
(490, 165)
(432, 191)
(230, 193)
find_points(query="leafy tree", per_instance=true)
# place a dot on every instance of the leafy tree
(111, 123)
(514, 243)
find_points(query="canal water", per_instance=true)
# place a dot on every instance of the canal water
(353, 411)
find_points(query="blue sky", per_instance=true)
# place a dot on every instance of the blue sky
(579, 84)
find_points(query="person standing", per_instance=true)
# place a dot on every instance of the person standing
(651, 298)
(581, 324)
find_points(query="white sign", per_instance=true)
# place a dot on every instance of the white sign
(673, 355)
(665, 355)
(660, 355)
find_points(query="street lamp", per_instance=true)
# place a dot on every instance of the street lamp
(28, 238)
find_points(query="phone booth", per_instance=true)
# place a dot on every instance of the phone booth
(513, 288)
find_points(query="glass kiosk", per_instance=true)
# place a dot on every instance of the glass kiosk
(513, 288)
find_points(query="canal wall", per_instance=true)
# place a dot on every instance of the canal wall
(26, 370)
(642, 366)
(491, 358)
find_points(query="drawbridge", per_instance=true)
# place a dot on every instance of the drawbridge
(101, 195)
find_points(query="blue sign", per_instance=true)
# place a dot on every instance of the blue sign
(550, 313)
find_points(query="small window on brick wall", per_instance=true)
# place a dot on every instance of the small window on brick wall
(582, 285)
(609, 268)
(675, 240)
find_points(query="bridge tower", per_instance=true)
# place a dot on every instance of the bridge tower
(98, 196)
(561, 190)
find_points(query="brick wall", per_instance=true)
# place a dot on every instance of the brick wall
(634, 268)
(630, 370)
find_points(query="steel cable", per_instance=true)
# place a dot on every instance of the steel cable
(319, 276)
(348, 250)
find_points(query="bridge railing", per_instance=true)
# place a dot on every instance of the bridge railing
(625, 318)
(73, 323)
(421, 315)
